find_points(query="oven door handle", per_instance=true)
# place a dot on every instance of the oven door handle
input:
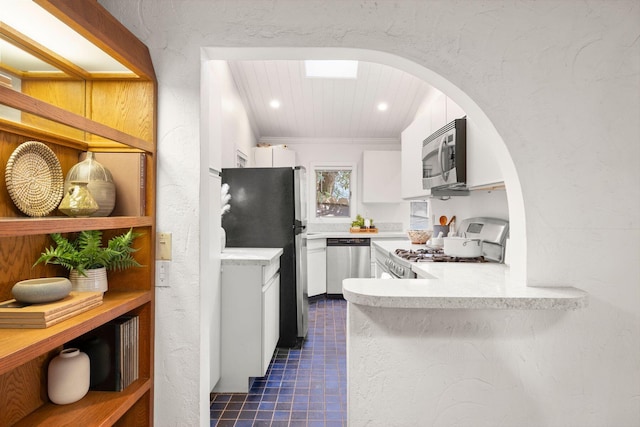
(393, 275)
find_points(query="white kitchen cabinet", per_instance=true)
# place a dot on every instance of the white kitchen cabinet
(453, 111)
(438, 112)
(316, 266)
(381, 177)
(482, 167)
(411, 157)
(250, 315)
(273, 157)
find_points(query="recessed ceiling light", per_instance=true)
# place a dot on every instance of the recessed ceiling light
(383, 106)
(274, 104)
(331, 69)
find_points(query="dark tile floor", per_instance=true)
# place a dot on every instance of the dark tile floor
(305, 387)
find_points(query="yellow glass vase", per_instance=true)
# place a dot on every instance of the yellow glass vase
(78, 201)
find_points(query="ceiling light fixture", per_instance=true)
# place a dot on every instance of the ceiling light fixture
(331, 69)
(274, 103)
(383, 106)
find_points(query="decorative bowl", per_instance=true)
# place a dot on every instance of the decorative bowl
(45, 289)
(419, 237)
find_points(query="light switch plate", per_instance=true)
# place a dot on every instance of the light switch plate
(163, 247)
(163, 274)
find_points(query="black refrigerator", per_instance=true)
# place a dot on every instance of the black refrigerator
(268, 210)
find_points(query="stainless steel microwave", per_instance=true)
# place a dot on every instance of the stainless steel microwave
(444, 159)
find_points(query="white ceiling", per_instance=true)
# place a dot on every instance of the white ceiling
(314, 108)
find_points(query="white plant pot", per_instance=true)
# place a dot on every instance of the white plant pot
(95, 280)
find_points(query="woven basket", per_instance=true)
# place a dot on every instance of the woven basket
(419, 237)
(34, 179)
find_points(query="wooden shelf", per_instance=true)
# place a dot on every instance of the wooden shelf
(11, 227)
(97, 408)
(20, 345)
(47, 111)
(100, 113)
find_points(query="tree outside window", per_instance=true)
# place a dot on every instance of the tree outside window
(333, 193)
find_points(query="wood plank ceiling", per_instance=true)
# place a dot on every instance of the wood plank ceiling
(319, 108)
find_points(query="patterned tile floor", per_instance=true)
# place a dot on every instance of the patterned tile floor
(305, 387)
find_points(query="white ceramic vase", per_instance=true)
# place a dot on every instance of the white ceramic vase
(95, 280)
(68, 376)
(223, 239)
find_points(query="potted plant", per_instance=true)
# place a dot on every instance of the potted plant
(87, 260)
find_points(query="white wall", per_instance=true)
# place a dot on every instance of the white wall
(478, 203)
(558, 82)
(236, 128)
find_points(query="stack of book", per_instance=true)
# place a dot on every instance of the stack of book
(113, 353)
(14, 314)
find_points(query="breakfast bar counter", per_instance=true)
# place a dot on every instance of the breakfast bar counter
(458, 285)
(452, 347)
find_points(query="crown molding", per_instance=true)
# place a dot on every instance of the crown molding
(339, 141)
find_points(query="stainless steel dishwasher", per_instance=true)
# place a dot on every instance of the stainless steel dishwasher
(346, 258)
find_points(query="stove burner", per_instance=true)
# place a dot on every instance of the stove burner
(402, 253)
(432, 255)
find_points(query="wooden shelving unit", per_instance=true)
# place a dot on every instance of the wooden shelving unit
(73, 112)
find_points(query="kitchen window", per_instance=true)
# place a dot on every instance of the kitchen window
(335, 194)
(419, 217)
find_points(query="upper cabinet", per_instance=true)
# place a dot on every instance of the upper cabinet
(273, 157)
(411, 140)
(482, 168)
(381, 177)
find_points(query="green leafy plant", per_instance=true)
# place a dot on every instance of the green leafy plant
(86, 252)
(359, 222)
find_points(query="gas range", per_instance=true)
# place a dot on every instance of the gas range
(398, 264)
(492, 232)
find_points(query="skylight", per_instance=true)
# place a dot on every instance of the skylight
(331, 69)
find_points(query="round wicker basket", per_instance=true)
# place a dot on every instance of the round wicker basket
(34, 179)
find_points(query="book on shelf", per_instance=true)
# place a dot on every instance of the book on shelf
(14, 314)
(113, 353)
(129, 176)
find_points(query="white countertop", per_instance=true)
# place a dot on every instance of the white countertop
(341, 234)
(460, 286)
(235, 256)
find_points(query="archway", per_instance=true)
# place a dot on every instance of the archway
(517, 243)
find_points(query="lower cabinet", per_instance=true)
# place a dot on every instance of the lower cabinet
(250, 318)
(316, 267)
